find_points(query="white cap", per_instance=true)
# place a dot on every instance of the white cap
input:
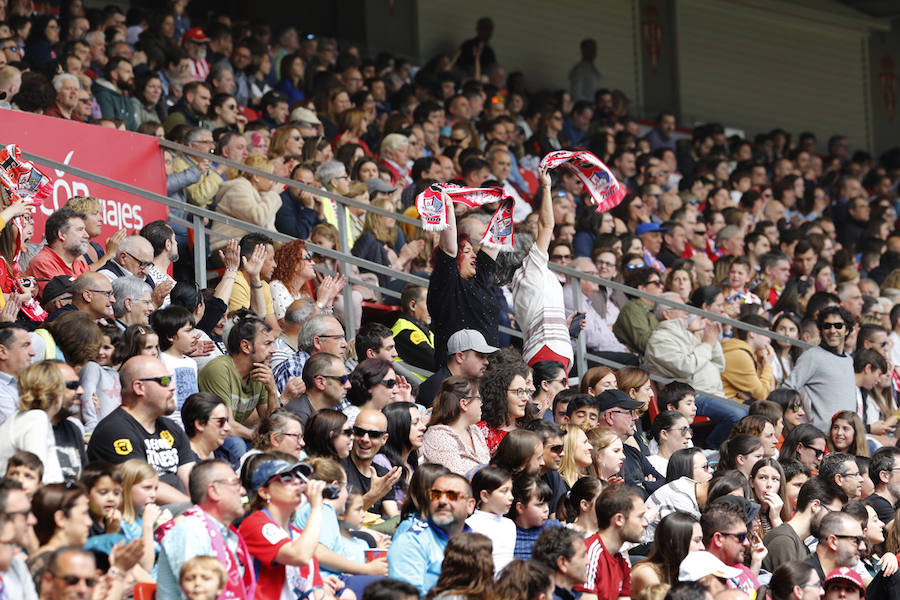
(469, 339)
(697, 565)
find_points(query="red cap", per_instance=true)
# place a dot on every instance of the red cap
(194, 34)
(845, 574)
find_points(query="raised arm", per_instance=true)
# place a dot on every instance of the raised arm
(545, 218)
(448, 237)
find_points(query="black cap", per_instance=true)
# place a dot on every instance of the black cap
(56, 287)
(749, 508)
(616, 399)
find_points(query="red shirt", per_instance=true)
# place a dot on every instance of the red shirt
(608, 575)
(264, 537)
(48, 264)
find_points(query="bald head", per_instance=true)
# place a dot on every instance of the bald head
(135, 254)
(369, 418)
(86, 282)
(136, 368)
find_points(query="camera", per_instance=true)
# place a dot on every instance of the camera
(331, 491)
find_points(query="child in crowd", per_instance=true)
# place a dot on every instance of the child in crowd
(848, 434)
(530, 511)
(139, 509)
(174, 326)
(139, 340)
(582, 411)
(576, 508)
(102, 389)
(104, 485)
(739, 277)
(202, 578)
(26, 468)
(492, 488)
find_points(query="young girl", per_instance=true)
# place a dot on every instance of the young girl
(767, 484)
(739, 277)
(104, 485)
(101, 381)
(521, 451)
(671, 432)
(740, 452)
(202, 578)
(576, 454)
(492, 488)
(335, 556)
(530, 512)
(139, 509)
(607, 455)
(351, 521)
(785, 355)
(576, 508)
(848, 434)
(139, 339)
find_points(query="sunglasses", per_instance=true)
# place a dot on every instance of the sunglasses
(796, 406)
(557, 449)
(452, 495)
(72, 385)
(740, 537)
(342, 378)
(71, 580)
(838, 326)
(858, 539)
(164, 381)
(286, 478)
(819, 453)
(372, 433)
(389, 383)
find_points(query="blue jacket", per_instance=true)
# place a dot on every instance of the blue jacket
(415, 556)
(293, 218)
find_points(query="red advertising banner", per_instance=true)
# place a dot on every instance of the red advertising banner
(121, 155)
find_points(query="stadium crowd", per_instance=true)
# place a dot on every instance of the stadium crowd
(238, 442)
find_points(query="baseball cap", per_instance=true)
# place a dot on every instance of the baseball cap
(649, 228)
(697, 565)
(469, 339)
(271, 468)
(750, 509)
(56, 287)
(379, 185)
(616, 399)
(845, 574)
(301, 113)
(194, 34)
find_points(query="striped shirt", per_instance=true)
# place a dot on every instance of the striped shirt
(608, 576)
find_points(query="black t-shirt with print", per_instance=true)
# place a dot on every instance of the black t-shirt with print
(119, 437)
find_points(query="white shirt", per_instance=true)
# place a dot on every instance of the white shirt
(500, 530)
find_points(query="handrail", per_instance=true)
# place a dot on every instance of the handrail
(291, 183)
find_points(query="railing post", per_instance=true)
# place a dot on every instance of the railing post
(343, 230)
(580, 345)
(199, 251)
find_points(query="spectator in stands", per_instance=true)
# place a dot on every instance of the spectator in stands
(636, 320)
(326, 381)
(92, 293)
(251, 289)
(139, 429)
(205, 530)
(147, 100)
(841, 542)
(321, 333)
(374, 481)
(745, 379)
(203, 189)
(133, 301)
(165, 251)
(196, 44)
(414, 555)
(248, 197)
(66, 86)
(112, 92)
(824, 373)
(192, 108)
(562, 551)
(16, 353)
(66, 241)
(394, 157)
(840, 470)
(134, 257)
(599, 337)
(274, 106)
(468, 356)
(297, 215)
(726, 537)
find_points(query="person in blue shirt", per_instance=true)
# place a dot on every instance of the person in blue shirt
(415, 556)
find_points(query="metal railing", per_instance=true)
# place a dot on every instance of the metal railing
(345, 259)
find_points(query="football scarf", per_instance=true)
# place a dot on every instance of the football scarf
(434, 202)
(601, 184)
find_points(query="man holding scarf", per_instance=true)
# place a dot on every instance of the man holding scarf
(216, 492)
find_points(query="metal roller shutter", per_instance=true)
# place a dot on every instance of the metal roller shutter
(541, 38)
(756, 68)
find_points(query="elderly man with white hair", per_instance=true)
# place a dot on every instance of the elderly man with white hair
(66, 87)
(395, 158)
(134, 301)
(135, 257)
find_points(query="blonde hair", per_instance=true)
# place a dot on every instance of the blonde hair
(204, 563)
(257, 161)
(133, 472)
(600, 439)
(40, 385)
(357, 188)
(568, 470)
(375, 223)
(84, 204)
(279, 140)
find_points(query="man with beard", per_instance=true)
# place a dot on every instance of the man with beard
(69, 437)
(165, 250)
(111, 92)
(415, 556)
(139, 429)
(192, 108)
(841, 540)
(726, 537)
(824, 374)
(66, 242)
(620, 518)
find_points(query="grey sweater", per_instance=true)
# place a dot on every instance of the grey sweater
(827, 383)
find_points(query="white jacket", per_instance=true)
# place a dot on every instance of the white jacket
(673, 351)
(239, 199)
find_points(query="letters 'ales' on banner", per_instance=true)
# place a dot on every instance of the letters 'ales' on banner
(121, 155)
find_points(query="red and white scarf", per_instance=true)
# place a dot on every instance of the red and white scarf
(22, 180)
(601, 184)
(434, 203)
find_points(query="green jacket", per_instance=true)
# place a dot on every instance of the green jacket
(635, 324)
(113, 103)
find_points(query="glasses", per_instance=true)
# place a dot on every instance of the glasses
(654, 282)
(839, 325)
(348, 432)
(796, 406)
(389, 383)
(220, 421)
(372, 433)
(473, 398)
(164, 381)
(85, 100)
(520, 392)
(296, 436)
(557, 449)
(633, 413)
(108, 293)
(145, 264)
(858, 475)
(699, 232)
(819, 453)
(286, 478)
(13, 48)
(236, 482)
(342, 378)
(336, 336)
(859, 539)
(560, 257)
(604, 263)
(740, 537)
(71, 580)
(685, 431)
(452, 495)
(73, 385)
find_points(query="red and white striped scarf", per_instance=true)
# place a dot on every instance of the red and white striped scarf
(434, 203)
(601, 184)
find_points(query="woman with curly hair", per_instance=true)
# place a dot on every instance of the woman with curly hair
(292, 277)
(46, 390)
(374, 385)
(505, 399)
(467, 572)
